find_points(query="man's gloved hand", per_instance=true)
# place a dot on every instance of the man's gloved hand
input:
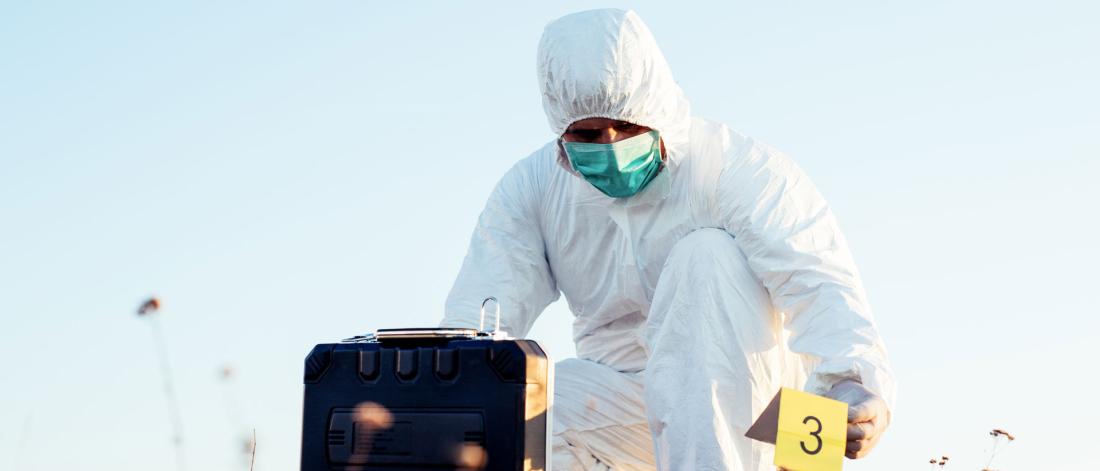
(868, 416)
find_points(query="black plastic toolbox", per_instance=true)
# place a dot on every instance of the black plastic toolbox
(431, 399)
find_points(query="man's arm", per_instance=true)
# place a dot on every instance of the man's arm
(506, 259)
(795, 246)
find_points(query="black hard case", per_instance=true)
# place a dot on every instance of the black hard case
(457, 403)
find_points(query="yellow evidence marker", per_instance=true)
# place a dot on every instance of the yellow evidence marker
(809, 431)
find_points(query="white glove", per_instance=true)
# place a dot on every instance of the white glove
(868, 416)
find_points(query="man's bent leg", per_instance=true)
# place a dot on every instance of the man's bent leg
(599, 419)
(716, 357)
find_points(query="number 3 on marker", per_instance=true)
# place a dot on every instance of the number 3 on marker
(811, 432)
(816, 434)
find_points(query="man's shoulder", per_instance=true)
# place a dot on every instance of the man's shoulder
(729, 166)
(544, 156)
(535, 170)
(725, 147)
(721, 140)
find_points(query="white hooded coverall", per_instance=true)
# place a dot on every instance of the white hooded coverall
(695, 300)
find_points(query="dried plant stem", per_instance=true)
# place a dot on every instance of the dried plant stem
(169, 393)
(252, 462)
(993, 452)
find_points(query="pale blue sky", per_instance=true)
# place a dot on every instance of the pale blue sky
(284, 174)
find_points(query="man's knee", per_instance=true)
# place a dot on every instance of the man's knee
(703, 248)
(707, 288)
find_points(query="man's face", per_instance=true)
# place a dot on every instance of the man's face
(605, 131)
(601, 131)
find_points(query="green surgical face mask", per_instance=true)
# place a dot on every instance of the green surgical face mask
(619, 169)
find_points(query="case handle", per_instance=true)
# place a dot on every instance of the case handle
(483, 303)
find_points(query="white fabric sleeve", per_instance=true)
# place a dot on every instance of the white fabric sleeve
(794, 245)
(506, 259)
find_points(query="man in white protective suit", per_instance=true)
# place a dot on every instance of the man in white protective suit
(704, 269)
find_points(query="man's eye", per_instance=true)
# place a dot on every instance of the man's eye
(627, 127)
(586, 133)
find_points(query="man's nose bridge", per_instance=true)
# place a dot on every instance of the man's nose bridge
(611, 135)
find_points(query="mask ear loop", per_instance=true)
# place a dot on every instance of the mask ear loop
(563, 158)
(661, 150)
